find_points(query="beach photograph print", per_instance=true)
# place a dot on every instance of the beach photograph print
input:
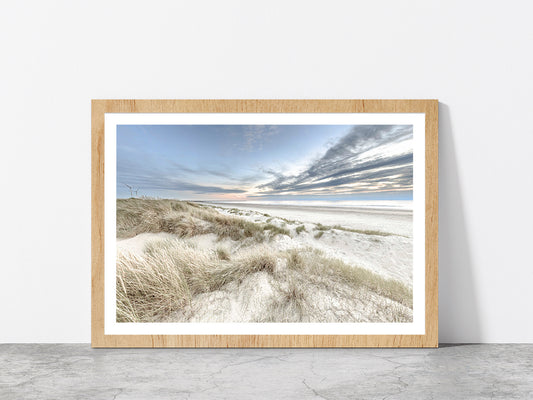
(271, 223)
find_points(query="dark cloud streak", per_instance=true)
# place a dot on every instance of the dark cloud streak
(348, 162)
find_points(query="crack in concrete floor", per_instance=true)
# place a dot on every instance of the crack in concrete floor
(52, 371)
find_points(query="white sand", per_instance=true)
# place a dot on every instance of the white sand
(389, 256)
(388, 220)
(246, 301)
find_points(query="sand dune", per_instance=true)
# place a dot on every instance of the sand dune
(388, 255)
(262, 263)
(397, 221)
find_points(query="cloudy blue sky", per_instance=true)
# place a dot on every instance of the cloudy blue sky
(266, 162)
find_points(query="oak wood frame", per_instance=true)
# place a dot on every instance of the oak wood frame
(429, 107)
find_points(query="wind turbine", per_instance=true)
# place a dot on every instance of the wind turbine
(130, 188)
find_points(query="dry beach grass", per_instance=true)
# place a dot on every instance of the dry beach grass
(217, 266)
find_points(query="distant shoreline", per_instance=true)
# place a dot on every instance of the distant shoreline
(309, 207)
(366, 206)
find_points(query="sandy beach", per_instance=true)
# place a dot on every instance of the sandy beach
(316, 264)
(390, 256)
(397, 221)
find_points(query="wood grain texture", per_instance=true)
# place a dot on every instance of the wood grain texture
(100, 107)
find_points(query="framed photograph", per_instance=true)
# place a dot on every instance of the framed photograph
(264, 223)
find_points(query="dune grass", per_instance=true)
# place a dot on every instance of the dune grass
(223, 253)
(319, 234)
(289, 306)
(186, 219)
(276, 230)
(300, 229)
(167, 276)
(320, 227)
(313, 262)
(171, 272)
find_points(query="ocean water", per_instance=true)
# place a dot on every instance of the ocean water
(370, 204)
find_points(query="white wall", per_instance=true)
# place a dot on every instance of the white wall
(475, 57)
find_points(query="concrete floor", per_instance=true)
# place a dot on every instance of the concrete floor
(61, 371)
